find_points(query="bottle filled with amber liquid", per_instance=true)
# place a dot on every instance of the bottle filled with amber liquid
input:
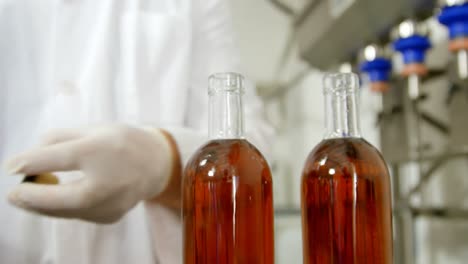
(345, 188)
(227, 188)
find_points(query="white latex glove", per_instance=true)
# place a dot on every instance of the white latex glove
(121, 166)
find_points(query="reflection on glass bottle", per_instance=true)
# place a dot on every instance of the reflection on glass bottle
(227, 188)
(346, 199)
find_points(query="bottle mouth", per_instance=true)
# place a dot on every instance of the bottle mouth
(226, 82)
(340, 83)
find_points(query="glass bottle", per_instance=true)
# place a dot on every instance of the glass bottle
(227, 188)
(345, 189)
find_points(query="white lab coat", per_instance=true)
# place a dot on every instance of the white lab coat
(69, 63)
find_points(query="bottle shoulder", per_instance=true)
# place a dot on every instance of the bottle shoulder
(225, 158)
(346, 154)
(226, 149)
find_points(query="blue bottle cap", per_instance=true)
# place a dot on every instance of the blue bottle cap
(377, 69)
(413, 48)
(456, 19)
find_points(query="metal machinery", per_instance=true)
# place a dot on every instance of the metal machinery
(330, 32)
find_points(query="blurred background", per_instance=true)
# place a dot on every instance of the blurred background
(412, 59)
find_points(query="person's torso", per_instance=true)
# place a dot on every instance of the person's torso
(68, 63)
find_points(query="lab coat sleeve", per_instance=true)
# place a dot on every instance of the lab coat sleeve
(213, 51)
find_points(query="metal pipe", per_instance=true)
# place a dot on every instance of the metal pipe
(426, 176)
(412, 120)
(403, 222)
(435, 123)
(300, 18)
(451, 213)
(462, 64)
(283, 7)
(453, 152)
(413, 86)
(405, 225)
(288, 211)
(430, 171)
(286, 52)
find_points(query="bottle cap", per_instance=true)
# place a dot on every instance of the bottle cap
(413, 48)
(455, 18)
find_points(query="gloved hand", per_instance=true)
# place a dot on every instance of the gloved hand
(121, 166)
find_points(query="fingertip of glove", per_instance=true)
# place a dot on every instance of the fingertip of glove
(14, 166)
(13, 198)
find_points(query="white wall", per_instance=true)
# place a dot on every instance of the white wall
(261, 32)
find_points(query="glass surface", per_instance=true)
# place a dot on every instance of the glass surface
(341, 109)
(228, 205)
(346, 204)
(345, 187)
(226, 116)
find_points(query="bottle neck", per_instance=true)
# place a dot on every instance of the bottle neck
(226, 119)
(341, 112)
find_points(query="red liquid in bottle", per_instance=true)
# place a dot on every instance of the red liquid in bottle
(346, 204)
(228, 205)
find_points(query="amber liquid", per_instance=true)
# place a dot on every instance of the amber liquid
(228, 205)
(346, 204)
